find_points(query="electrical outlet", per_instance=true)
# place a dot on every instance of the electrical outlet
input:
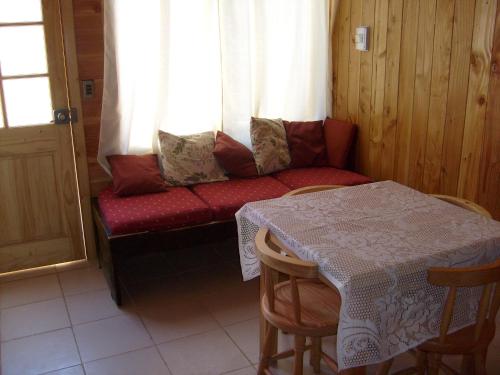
(88, 89)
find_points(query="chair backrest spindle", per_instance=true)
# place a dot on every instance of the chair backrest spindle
(295, 299)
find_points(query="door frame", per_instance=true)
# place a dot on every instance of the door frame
(77, 128)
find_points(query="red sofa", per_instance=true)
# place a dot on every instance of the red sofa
(183, 217)
(186, 216)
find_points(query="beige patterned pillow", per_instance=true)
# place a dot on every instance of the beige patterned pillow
(269, 145)
(188, 159)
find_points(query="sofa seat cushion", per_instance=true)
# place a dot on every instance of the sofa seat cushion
(227, 197)
(175, 208)
(301, 177)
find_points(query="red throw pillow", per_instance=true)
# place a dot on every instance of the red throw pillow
(306, 143)
(136, 174)
(234, 157)
(339, 137)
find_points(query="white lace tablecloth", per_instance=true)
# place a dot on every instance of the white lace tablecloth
(375, 243)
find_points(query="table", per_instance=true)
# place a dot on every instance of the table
(374, 243)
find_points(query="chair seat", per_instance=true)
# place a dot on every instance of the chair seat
(461, 341)
(319, 308)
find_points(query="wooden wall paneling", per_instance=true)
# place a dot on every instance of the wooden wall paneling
(406, 89)
(489, 182)
(344, 44)
(482, 43)
(335, 59)
(463, 24)
(390, 109)
(423, 69)
(438, 95)
(89, 34)
(378, 86)
(365, 88)
(354, 61)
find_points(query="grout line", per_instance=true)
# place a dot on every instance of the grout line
(35, 334)
(31, 303)
(69, 319)
(163, 359)
(119, 354)
(63, 296)
(188, 336)
(237, 369)
(230, 338)
(61, 369)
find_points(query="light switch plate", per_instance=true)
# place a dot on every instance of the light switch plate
(361, 38)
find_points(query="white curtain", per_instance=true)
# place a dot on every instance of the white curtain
(186, 66)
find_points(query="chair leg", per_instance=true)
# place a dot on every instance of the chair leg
(434, 362)
(467, 366)
(315, 360)
(421, 362)
(480, 363)
(300, 347)
(267, 349)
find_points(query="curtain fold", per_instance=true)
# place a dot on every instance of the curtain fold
(191, 66)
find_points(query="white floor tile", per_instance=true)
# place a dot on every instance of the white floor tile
(40, 353)
(33, 318)
(246, 336)
(145, 361)
(90, 306)
(75, 370)
(82, 280)
(110, 336)
(170, 319)
(208, 354)
(244, 371)
(233, 305)
(218, 278)
(30, 290)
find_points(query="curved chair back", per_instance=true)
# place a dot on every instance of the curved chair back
(487, 276)
(464, 203)
(312, 189)
(273, 263)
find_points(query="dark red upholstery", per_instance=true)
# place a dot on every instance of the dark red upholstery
(301, 177)
(227, 197)
(175, 208)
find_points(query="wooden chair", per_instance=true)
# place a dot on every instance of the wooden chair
(464, 203)
(471, 342)
(303, 306)
(312, 189)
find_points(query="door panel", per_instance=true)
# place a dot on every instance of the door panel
(40, 217)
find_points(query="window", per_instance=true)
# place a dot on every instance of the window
(25, 94)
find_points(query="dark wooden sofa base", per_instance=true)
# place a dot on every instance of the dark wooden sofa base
(114, 251)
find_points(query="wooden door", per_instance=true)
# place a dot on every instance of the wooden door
(40, 215)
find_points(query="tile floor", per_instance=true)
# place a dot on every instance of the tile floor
(183, 314)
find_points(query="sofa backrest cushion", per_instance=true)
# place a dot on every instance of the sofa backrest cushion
(136, 174)
(269, 145)
(234, 156)
(189, 159)
(306, 143)
(339, 138)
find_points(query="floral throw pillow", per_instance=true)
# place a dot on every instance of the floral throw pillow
(270, 148)
(188, 159)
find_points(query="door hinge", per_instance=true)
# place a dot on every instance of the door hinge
(64, 116)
